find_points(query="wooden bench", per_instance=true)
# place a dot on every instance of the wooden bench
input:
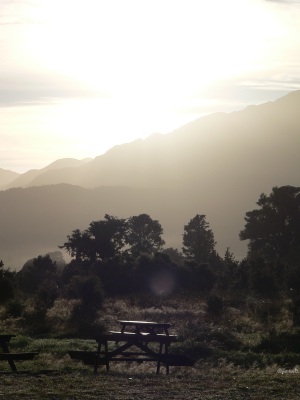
(17, 356)
(11, 357)
(144, 343)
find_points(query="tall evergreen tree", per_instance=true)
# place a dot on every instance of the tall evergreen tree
(198, 240)
(273, 230)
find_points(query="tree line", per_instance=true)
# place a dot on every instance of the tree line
(117, 256)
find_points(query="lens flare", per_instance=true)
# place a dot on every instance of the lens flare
(162, 283)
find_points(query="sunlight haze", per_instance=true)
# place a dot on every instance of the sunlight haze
(78, 78)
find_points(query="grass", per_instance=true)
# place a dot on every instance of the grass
(228, 364)
(201, 382)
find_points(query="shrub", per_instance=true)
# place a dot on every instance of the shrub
(6, 289)
(88, 290)
(14, 308)
(280, 342)
(214, 305)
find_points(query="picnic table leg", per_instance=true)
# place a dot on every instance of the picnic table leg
(166, 352)
(159, 357)
(167, 362)
(97, 358)
(11, 362)
(106, 355)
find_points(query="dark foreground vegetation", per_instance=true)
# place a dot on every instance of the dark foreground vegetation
(239, 320)
(224, 382)
(237, 357)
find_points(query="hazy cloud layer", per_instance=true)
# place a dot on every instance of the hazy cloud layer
(284, 1)
(126, 69)
(29, 88)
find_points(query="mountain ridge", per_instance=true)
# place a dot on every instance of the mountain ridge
(217, 165)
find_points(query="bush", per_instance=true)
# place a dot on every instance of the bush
(88, 290)
(6, 289)
(192, 349)
(280, 342)
(198, 278)
(214, 305)
(14, 308)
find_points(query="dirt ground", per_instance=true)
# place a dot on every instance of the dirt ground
(205, 383)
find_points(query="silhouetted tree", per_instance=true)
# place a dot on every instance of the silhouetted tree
(107, 236)
(273, 230)
(102, 240)
(78, 245)
(175, 255)
(144, 235)
(198, 241)
(32, 276)
(227, 272)
(6, 284)
(229, 259)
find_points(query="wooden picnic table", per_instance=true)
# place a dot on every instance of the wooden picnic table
(10, 357)
(143, 343)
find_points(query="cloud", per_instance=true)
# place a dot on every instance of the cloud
(19, 21)
(32, 89)
(17, 12)
(284, 1)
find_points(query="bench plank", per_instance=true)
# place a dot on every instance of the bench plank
(138, 337)
(17, 356)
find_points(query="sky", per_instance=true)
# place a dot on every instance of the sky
(79, 77)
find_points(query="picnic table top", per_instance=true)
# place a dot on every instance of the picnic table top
(145, 323)
(145, 326)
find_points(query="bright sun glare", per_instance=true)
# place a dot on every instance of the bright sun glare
(143, 59)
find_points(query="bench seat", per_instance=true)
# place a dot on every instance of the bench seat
(17, 356)
(87, 357)
(147, 337)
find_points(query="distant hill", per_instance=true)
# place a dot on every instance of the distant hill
(7, 177)
(217, 165)
(28, 178)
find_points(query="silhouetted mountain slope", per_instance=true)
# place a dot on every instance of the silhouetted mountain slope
(259, 143)
(217, 165)
(7, 176)
(28, 178)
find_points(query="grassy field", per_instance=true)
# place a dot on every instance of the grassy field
(132, 382)
(227, 365)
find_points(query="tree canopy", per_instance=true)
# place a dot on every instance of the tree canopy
(198, 240)
(112, 237)
(144, 235)
(273, 230)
